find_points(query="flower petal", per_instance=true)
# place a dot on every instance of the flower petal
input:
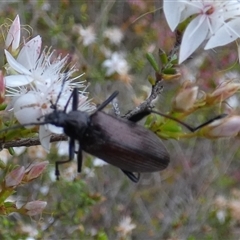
(34, 207)
(14, 33)
(55, 129)
(190, 9)
(17, 80)
(15, 64)
(193, 36)
(226, 34)
(27, 108)
(44, 137)
(35, 170)
(30, 52)
(172, 11)
(15, 177)
(224, 127)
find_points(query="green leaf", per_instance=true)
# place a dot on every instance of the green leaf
(152, 61)
(163, 57)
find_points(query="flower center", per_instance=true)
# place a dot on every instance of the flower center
(208, 9)
(44, 106)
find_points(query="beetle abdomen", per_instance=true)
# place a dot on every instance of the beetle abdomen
(125, 144)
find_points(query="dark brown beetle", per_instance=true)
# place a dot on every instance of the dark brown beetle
(118, 141)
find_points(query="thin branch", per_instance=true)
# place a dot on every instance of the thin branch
(147, 104)
(31, 141)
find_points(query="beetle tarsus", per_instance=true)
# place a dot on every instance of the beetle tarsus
(57, 173)
(139, 116)
(131, 176)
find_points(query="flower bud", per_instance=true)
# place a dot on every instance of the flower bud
(2, 88)
(35, 207)
(35, 170)
(225, 127)
(222, 93)
(15, 177)
(185, 98)
(13, 37)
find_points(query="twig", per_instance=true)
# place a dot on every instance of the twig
(147, 104)
(32, 141)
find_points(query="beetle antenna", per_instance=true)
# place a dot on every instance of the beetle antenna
(210, 121)
(174, 119)
(107, 101)
(192, 129)
(54, 105)
(68, 101)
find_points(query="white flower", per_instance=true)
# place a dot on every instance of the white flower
(5, 155)
(32, 65)
(215, 21)
(30, 230)
(39, 84)
(117, 63)
(19, 150)
(125, 226)
(88, 35)
(37, 102)
(114, 35)
(221, 216)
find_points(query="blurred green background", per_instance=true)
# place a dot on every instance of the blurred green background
(196, 197)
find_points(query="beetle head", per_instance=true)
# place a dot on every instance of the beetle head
(57, 118)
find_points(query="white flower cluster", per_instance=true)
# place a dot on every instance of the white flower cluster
(34, 79)
(215, 21)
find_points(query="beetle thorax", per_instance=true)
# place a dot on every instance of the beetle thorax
(76, 123)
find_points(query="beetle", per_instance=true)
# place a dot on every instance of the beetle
(120, 142)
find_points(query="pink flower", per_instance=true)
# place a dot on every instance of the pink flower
(2, 88)
(35, 207)
(35, 170)
(223, 92)
(185, 98)
(225, 127)
(15, 177)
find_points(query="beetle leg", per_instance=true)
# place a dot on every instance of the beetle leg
(131, 176)
(75, 99)
(71, 156)
(79, 159)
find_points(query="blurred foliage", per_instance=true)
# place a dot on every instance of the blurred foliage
(182, 202)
